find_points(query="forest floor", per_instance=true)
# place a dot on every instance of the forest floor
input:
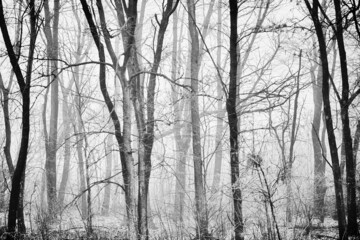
(108, 228)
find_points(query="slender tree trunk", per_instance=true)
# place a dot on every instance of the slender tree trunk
(294, 128)
(108, 152)
(24, 85)
(5, 91)
(51, 33)
(355, 150)
(147, 127)
(89, 215)
(352, 227)
(66, 166)
(124, 140)
(233, 124)
(319, 161)
(314, 12)
(221, 112)
(67, 109)
(79, 149)
(7, 147)
(200, 201)
(182, 133)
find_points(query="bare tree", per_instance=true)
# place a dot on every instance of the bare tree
(123, 139)
(200, 202)
(314, 13)
(51, 33)
(319, 161)
(233, 123)
(24, 85)
(182, 134)
(220, 108)
(108, 170)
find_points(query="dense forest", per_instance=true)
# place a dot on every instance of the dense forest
(174, 119)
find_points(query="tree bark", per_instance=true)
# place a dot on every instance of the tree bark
(200, 201)
(319, 161)
(147, 127)
(233, 124)
(123, 139)
(51, 33)
(24, 85)
(313, 10)
(108, 152)
(355, 151)
(352, 227)
(182, 137)
(221, 112)
(66, 110)
(78, 130)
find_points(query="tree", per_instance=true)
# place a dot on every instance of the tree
(123, 139)
(314, 13)
(182, 134)
(220, 108)
(146, 127)
(233, 124)
(24, 85)
(345, 99)
(201, 211)
(319, 161)
(108, 169)
(6, 91)
(75, 120)
(290, 126)
(51, 33)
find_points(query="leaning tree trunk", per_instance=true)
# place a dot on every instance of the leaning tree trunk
(233, 124)
(24, 85)
(314, 12)
(7, 147)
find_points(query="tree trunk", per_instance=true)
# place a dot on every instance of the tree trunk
(200, 201)
(20, 212)
(221, 113)
(66, 110)
(355, 150)
(147, 127)
(182, 137)
(124, 140)
(314, 10)
(108, 152)
(51, 33)
(290, 161)
(352, 227)
(319, 161)
(24, 85)
(5, 91)
(7, 147)
(89, 215)
(233, 124)
(79, 149)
